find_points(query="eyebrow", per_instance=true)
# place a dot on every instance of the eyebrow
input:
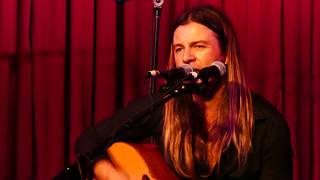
(192, 43)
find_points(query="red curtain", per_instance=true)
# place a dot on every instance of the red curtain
(59, 71)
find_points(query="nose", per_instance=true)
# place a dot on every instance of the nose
(188, 56)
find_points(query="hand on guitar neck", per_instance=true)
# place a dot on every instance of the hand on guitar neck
(133, 162)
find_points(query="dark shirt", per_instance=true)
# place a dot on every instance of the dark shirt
(269, 159)
(271, 154)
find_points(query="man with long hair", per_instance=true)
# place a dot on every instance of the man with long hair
(223, 132)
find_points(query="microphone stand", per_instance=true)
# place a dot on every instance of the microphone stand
(157, 5)
(78, 169)
(94, 136)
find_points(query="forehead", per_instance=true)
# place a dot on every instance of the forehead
(193, 32)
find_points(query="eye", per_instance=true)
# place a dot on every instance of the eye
(177, 50)
(199, 46)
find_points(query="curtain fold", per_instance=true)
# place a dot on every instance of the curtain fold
(57, 71)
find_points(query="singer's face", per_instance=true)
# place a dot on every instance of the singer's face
(195, 44)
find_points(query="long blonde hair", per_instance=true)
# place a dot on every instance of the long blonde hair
(187, 144)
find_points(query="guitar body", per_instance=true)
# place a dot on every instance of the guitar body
(137, 160)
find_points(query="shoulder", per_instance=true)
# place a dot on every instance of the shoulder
(267, 115)
(267, 119)
(263, 109)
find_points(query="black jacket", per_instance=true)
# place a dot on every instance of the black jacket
(270, 158)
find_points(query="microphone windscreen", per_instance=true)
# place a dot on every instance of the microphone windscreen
(221, 66)
(217, 69)
(187, 68)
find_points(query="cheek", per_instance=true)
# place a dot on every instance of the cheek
(178, 61)
(211, 56)
(206, 59)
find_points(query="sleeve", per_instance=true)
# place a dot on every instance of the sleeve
(277, 152)
(140, 119)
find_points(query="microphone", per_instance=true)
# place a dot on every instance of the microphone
(217, 69)
(158, 3)
(174, 74)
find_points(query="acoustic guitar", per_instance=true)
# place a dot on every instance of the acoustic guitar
(137, 160)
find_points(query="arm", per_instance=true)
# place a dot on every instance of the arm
(129, 124)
